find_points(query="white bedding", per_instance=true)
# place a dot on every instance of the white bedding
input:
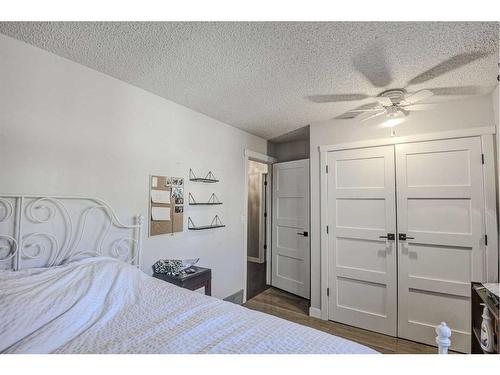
(101, 305)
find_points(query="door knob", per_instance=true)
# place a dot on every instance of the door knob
(404, 237)
(390, 236)
(305, 234)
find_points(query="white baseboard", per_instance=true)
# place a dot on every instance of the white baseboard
(255, 260)
(315, 312)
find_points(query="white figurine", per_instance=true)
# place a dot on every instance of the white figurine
(443, 338)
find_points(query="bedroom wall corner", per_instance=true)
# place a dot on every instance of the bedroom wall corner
(496, 117)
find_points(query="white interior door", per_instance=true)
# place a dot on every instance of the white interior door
(290, 233)
(362, 264)
(440, 210)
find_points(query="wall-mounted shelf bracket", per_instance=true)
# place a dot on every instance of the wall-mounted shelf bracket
(216, 223)
(209, 178)
(212, 201)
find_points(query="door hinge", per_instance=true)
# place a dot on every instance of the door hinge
(482, 158)
(265, 247)
(265, 214)
(485, 240)
(327, 169)
(265, 183)
(328, 292)
(327, 229)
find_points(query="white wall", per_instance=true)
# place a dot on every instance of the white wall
(496, 116)
(69, 130)
(459, 114)
(496, 104)
(288, 151)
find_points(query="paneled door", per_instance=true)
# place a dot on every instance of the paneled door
(362, 249)
(441, 240)
(290, 233)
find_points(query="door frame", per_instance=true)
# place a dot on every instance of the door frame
(269, 160)
(263, 225)
(487, 135)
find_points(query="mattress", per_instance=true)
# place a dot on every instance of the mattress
(102, 305)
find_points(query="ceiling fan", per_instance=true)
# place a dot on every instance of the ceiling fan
(396, 104)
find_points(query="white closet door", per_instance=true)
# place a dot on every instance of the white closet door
(440, 210)
(290, 239)
(362, 264)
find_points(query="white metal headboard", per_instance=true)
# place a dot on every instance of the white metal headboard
(46, 231)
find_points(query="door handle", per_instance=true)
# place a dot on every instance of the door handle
(404, 237)
(390, 237)
(305, 234)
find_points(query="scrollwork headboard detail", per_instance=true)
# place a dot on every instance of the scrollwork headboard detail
(46, 231)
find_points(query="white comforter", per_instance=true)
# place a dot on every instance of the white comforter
(101, 305)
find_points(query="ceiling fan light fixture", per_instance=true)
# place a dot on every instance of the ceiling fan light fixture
(392, 122)
(395, 117)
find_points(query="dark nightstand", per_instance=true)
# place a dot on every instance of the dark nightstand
(201, 278)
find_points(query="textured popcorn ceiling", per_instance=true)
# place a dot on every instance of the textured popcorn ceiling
(259, 76)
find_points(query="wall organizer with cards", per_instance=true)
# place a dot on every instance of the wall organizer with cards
(166, 205)
(212, 201)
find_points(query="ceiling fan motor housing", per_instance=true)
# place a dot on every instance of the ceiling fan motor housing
(396, 95)
(393, 111)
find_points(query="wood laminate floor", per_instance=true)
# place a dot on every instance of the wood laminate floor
(290, 307)
(256, 279)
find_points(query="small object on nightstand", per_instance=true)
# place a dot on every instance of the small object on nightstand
(173, 267)
(196, 278)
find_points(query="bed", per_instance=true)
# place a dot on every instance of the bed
(99, 301)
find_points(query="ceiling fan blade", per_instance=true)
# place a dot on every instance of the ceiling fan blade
(419, 107)
(417, 97)
(461, 90)
(373, 66)
(369, 107)
(366, 110)
(373, 116)
(448, 65)
(337, 98)
(384, 101)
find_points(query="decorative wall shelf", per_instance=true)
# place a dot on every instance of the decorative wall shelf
(212, 201)
(216, 223)
(208, 179)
